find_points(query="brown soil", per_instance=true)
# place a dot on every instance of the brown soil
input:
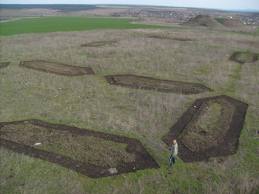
(56, 68)
(4, 64)
(163, 37)
(99, 43)
(209, 128)
(244, 57)
(94, 154)
(141, 82)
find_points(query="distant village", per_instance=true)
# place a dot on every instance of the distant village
(179, 15)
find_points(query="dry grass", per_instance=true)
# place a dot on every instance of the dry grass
(90, 102)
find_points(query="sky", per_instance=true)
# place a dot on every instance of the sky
(215, 4)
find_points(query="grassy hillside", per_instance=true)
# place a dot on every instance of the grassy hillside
(90, 102)
(55, 24)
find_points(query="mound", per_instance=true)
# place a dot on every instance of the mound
(148, 83)
(4, 64)
(244, 57)
(56, 68)
(230, 22)
(203, 20)
(91, 153)
(209, 128)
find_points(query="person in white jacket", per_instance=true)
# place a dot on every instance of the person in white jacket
(173, 153)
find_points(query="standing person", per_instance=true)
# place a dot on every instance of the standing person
(173, 153)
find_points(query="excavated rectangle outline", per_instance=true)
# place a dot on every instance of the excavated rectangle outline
(143, 158)
(231, 137)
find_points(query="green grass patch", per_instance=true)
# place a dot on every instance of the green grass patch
(244, 57)
(221, 20)
(63, 23)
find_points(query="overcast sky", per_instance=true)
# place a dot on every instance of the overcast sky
(219, 4)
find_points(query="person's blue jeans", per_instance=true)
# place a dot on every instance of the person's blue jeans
(172, 160)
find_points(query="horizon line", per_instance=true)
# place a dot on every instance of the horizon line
(219, 9)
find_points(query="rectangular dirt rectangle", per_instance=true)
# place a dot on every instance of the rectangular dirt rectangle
(99, 43)
(166, 37)
(80, 167)
(79, 149)
(142, 82)
(209, 128)
(57, 68)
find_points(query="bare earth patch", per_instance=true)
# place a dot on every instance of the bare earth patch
(244, 57)
(209, 128)
(4, 64)
(56, 68)
(164, 37)
(99, 43)
(91, 153)
(141, 82)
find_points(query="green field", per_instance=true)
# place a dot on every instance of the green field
(56, 24)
